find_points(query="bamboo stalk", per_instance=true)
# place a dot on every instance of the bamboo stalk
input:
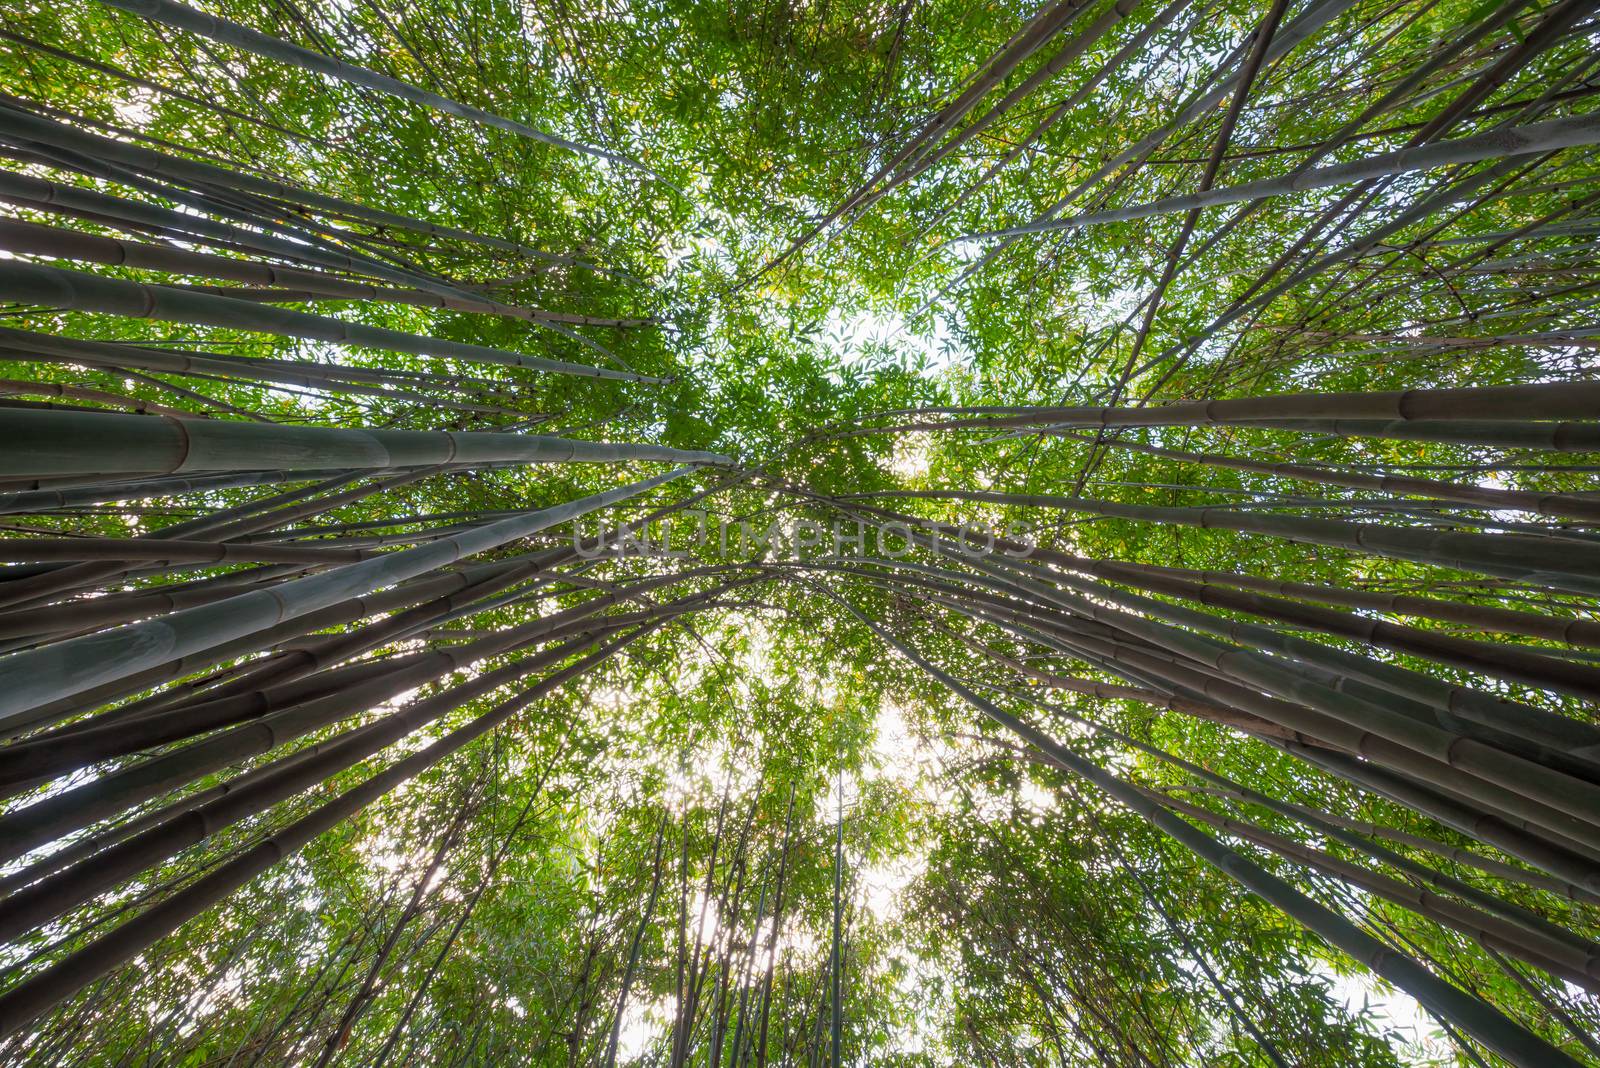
(1572, 567)
(1508, 142)
(182, 17)
(73, 290)
(36, 676)
(77, 443)
(1526, 401)
(1472, 1014)
(1558, 505)
(37, 994)
(1574, 966)
(200, 174)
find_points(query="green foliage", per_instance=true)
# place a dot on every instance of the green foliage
(997, 911)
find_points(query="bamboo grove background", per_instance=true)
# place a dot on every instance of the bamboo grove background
(1226, 372)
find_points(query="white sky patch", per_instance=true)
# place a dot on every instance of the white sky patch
(911, 762)
(1394, 1013)
(1035, 798)
(134, 109)
(902, 756)
(853, 337)
(386, 852)
(911, 456)
(640, 1026)
(881, 886)
(678, 252)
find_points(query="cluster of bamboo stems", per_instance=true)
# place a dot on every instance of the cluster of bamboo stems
(147, 712)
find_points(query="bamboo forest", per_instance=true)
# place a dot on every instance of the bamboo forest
(800, 533)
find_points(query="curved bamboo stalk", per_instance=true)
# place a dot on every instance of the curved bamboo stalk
(27, 345)
(1574, 966)
(1306, 714)
(1525, 401)
(34, 996)
(300, 654)
(335, 691)
(1470, 1013)
(1557, 505)
(1206, 710)
(1553, 739)
(1573, 566)
(441, 585)
(359, 291)
(79, 443)
(73, 290)
(1335, 823)
(93, 613)
(42, 500)
(185, 551)
(198, 173)
(182, 17)
(128, 214)
(1510, 142)
(42, 822)
(37, 676)
(99, 396)
(1342, 830)
(1343, 717)
(1507, 661)
(1553, 437)
(1366, 711)
(27, 587)
(1515, 839)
